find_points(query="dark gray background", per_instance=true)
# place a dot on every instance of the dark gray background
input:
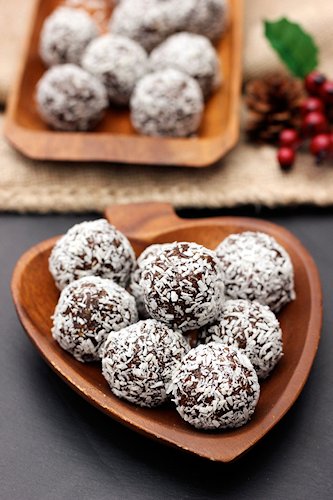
(55, 446)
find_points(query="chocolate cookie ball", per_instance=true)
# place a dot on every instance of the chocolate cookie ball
(192, 54)
(139, 360)
(94, 248)
(118, 63)
(183, 286)
(216, 387)
(167, 103)
(88, 310)
(251, 327)
(143, 261)
(256, 267)
(208, 18)
(149, 22)
(68, 98)
(65, 35)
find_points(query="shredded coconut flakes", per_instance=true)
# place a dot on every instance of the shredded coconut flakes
(216, 387)
(118, 63)
(138, 361)
(167, 103)
(143, 262)
(87, 311)
(183, 286)
(94, 248)
(193, 54)
(256, 267)
(251, 327)
(68, 98)
(65, 35)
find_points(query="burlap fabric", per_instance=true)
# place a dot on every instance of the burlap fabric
(247, 175)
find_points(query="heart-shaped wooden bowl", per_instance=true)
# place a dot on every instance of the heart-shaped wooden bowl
(35, 297)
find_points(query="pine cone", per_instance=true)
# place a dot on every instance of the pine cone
(273, 104)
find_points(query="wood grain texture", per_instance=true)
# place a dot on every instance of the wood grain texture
(115, 139)
(35, 297)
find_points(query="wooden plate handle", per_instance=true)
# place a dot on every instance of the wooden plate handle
(143, 221)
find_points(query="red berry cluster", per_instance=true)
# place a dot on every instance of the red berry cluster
(315, 128)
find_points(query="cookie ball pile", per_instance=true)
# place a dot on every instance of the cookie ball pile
(183, 287)
(251, 327)
(167, 103)
(256, 267)
(94, 248)
(68, 98)
(88, 310)
(118, 63)
(192, 54)
(138, 361)
(216, 387)
(180, 289)
(65, 35)
(184, 65)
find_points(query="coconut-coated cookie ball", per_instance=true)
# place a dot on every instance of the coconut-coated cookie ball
(65, 35)
(149, 22)
(88, 310)
(208, 18)
(167, 103)
(94, 248)
(193, 54)
(251, 327)
(183, 286)
(139, 360)
(216, 387)
(256, 267)
(142, 262)
(118, 63)
(68, 98)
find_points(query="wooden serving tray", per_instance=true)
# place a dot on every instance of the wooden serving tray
(35, 297)
(115, 139)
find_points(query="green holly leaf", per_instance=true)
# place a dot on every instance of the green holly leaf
(295, 47)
